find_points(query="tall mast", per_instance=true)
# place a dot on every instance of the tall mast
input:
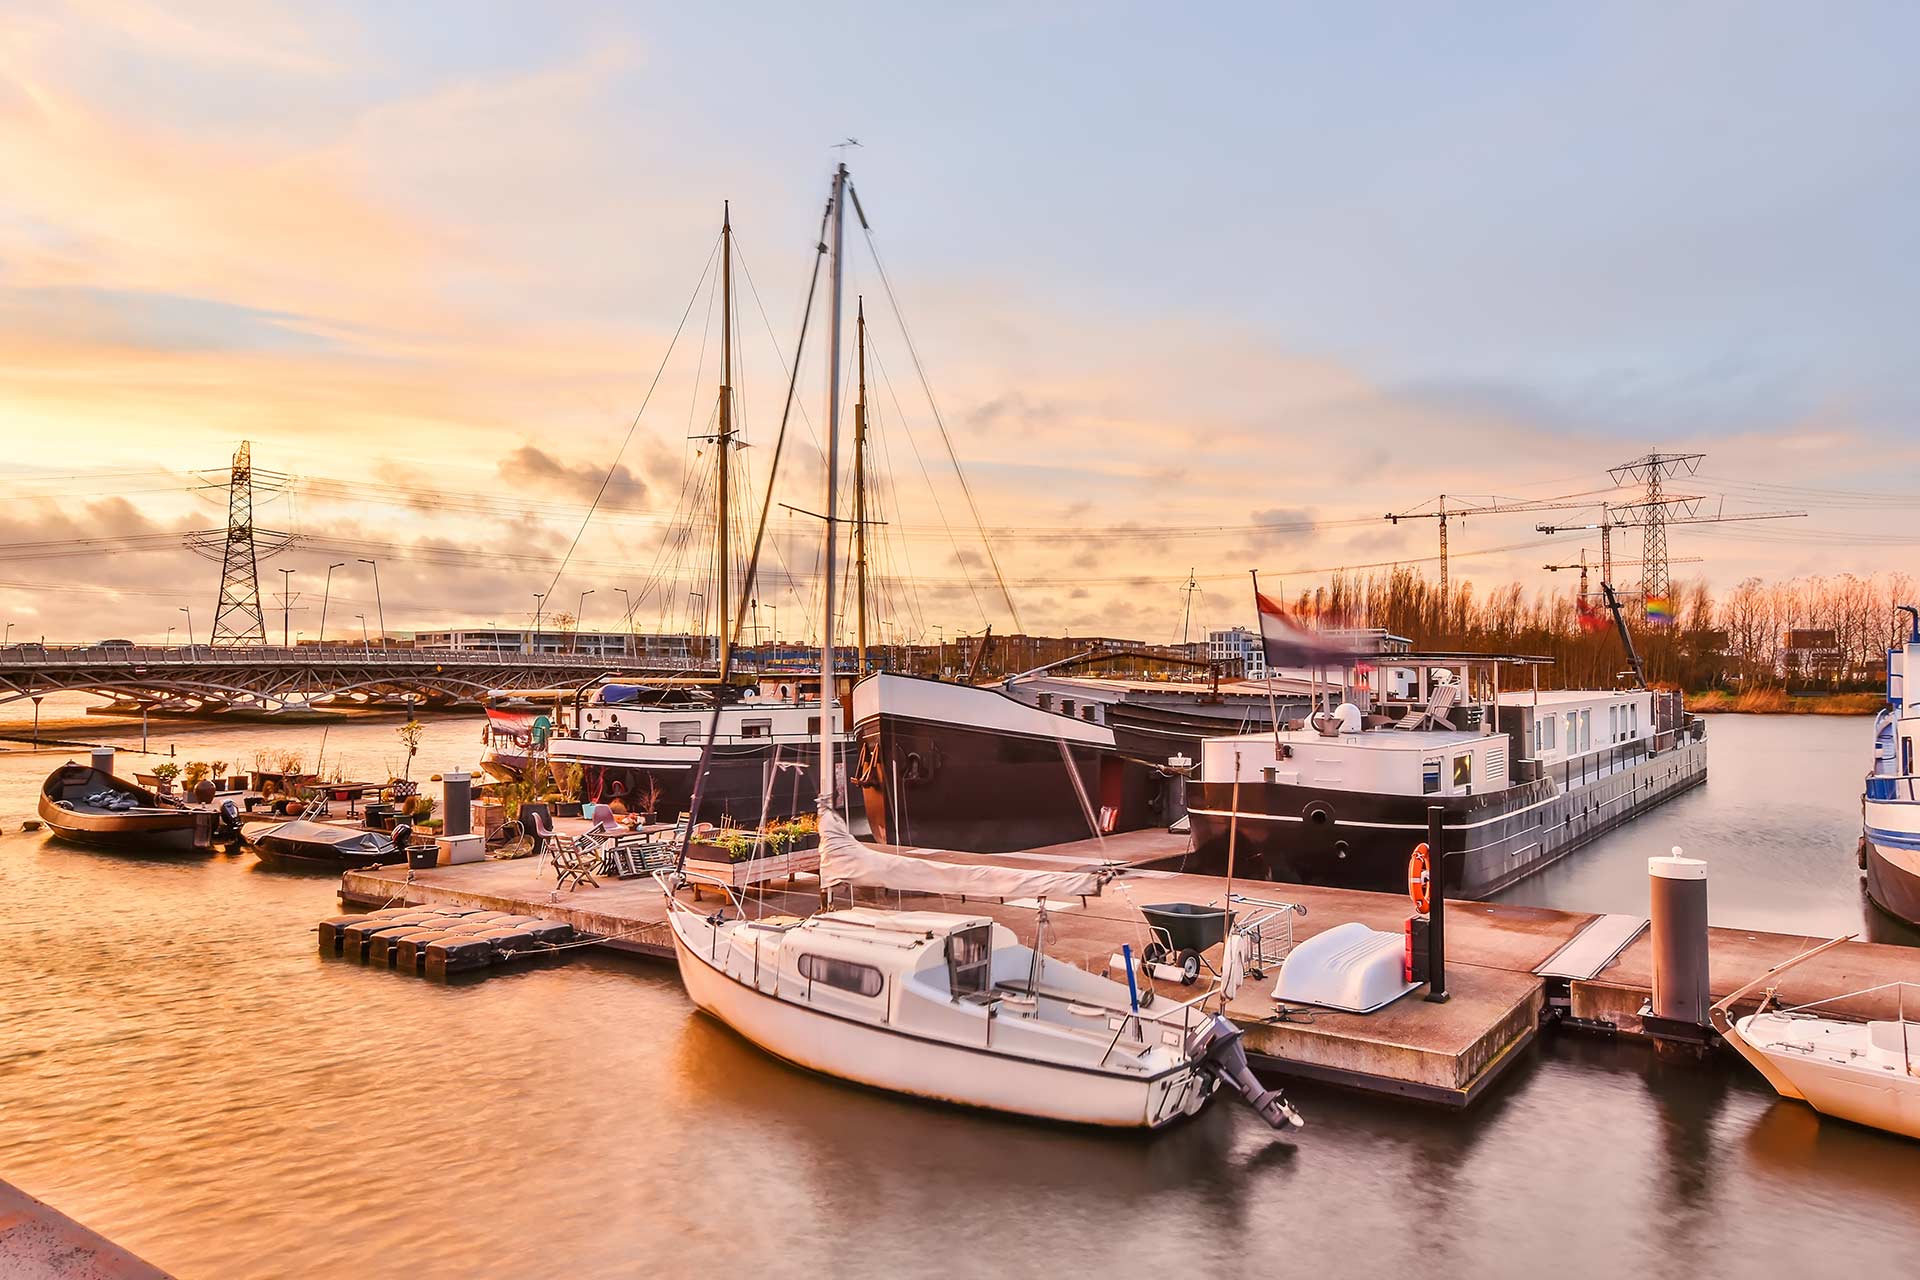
(860, 494)
(828, 729)
(723, 455)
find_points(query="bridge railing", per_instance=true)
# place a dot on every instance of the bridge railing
(34, 654)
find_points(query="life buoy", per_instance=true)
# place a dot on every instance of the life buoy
(1420, 879)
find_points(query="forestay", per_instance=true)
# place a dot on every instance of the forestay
(844, 860)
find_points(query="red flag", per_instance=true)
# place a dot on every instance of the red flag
(1287, 643)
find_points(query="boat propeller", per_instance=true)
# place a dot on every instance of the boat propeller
(1222, 1055)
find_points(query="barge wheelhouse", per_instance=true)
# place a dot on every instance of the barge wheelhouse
(1522, 777)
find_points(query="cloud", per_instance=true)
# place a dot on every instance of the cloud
(530, 464)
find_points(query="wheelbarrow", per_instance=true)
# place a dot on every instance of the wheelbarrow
(1181, 931)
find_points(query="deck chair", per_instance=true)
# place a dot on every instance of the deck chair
(1442, 699)
(572, 863)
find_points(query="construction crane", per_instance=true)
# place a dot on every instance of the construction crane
(1443, 513)
(1584, 565)
(1654, 512)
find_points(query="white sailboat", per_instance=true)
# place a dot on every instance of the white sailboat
(1864, 1072)
(942, 1005)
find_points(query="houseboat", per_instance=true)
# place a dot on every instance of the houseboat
(642, 747)
(1523, 777)
(1890, 804)
(1039, 758)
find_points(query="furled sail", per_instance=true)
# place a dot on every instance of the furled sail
(844, 860)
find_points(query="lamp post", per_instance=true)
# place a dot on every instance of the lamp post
(9, 634)
(380, 608)
(366, 646)
(170, 631)
(580, 617)
(189, 614)
(286, 606)
(533, 643)
(36, 720)
(324, 594)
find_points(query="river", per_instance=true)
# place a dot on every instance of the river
(182, 1072)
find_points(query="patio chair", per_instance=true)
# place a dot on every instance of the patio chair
(572, 862)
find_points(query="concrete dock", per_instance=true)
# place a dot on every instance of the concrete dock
(36, 1239)
(1448, 1053)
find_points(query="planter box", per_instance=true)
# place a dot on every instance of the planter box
(710, 860)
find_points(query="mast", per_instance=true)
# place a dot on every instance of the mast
(860, 495)
(723, 577)
(828, 729)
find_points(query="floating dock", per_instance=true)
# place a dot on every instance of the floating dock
(1511, 970)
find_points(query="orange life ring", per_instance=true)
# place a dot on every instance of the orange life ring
(1420, 879)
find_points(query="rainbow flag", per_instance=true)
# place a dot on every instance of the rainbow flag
(1659, 610)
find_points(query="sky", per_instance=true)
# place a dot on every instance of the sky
(1201, 291)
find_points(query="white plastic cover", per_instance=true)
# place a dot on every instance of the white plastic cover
(844, 860)
(1348, 967)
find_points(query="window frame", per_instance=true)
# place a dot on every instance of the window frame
(834, 972)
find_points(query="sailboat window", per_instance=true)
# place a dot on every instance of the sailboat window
(1046, 702)
(1066, 706)
(843, 975)
(970, 961)
(681, 731)
(1086, 712)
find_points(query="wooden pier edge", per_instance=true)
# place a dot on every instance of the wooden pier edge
(36, 1239)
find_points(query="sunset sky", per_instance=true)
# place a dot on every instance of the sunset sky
(1172, 276)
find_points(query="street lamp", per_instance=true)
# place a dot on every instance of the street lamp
(366, 646)
(286, 605)
(324, 594)
(381, 608)
(189, 614)
(170, 631)
(580, 617)
(533, 643)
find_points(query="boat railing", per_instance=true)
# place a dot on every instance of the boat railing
(622, 734)
(1882, 788)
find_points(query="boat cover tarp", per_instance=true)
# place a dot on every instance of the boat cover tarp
(844, 860)
(612, 695)
(344, 839)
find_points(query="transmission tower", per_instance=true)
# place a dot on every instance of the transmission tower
(237, 619)
(1656, 586)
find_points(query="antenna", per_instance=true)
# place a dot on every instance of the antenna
(1189, 591)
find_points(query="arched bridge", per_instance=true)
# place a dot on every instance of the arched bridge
(202, 677)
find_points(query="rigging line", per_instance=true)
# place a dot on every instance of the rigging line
(805, 421)
(780, 438)
(886, 283)
(886, 380)
(635, 424)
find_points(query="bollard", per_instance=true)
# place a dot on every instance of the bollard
(456, 810)
(103, 759)
(1678, 888)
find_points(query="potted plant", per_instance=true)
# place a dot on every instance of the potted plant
(409, 734)
(166, 771)
(649, 799)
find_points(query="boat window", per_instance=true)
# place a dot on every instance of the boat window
(1046, 702)
(1066, 706)
(1463, 770)
(1430, 776)
(681, 731)
(1613, 723)
(970, 960)
(1586, 730)
(1086, 712)
(1906, 756)
(813, 726)
(1546, 734)
(842, 975)
(1573, 732)
(756, 728)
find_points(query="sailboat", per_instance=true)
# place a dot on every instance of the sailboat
(643, 745)
(944, 1005)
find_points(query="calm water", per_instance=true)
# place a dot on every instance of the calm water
(179, 1070)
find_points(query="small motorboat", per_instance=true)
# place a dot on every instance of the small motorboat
(305, 845)
(88, 805)
(1864, 1072)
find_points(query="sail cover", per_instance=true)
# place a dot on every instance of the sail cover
(844, 860)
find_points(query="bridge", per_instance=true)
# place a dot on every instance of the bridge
(268, 678)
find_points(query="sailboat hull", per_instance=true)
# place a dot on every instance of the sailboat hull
(1821, 1062)
(899, 1062)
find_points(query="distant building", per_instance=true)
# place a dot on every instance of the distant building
(676, 650)
(1237, 652)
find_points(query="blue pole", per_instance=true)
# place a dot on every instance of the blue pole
(1133, 992)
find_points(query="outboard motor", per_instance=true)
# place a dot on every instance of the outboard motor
(1225, 1059)
(228, 820)
(402, 837)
